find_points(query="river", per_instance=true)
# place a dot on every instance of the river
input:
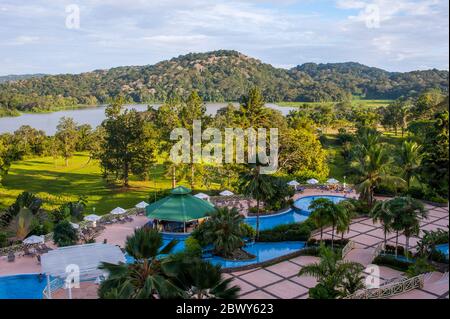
(92, 116)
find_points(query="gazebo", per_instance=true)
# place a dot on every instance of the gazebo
(180, 211)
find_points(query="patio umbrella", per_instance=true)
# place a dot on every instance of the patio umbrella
(92, 218)
(118, 211)
(75, 226)
(141, 205)
(312, 181)
(202, 196)
(332, 181)
(293, 183)
(32, 240)
(226, 193)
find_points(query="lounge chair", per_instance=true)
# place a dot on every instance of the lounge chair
(11, 257)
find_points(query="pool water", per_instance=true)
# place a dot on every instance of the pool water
(27, 286)
(443, 248)
(303, 203)
(297, 215)
(262, 251)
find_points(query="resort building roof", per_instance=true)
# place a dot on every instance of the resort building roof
(179, 206)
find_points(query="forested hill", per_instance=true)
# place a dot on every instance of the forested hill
(16, 77)
(218, 76)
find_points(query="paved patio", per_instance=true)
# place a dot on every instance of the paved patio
(280, 281)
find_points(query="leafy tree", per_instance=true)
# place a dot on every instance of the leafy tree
(6, 157)
(67, 136)
(129, 145)
(64, 234)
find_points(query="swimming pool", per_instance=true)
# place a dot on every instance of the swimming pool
(443, 248)
(262, 251)
(297, 215)
(26, 286)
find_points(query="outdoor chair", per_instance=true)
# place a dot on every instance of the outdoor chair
(11, 257)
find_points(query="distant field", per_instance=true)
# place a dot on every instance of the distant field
(57, 184)
(364, 103)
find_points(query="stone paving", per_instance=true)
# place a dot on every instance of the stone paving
(280, 281)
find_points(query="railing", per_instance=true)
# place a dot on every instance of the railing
(390, 290)
(55, 284)
(347, 248)
(377, 251)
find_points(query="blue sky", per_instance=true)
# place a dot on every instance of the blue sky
(400, 35)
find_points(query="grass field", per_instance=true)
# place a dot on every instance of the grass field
(364, 103)
(57, 184)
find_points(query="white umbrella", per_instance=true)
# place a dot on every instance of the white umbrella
(332, 181)
(92, 218)
(141, 205)
(118, 211)
(293, 183)
(226, 193)
(312, 181)
(33, 240)
(202, 196)
(75, 226)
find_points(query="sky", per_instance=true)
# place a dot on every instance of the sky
(59, 36)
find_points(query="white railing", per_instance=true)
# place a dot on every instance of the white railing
(390, 290)
(55, 285)
(377, 251)
(347, 248)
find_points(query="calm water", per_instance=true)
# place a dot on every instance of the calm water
(93, 116)
(22, 287)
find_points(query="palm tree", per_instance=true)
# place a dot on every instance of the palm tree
(343, 224)
(258, 186)
(21, 224)
(372, 163)
(146, 278)
(332, 274)
(380, 213)
(202, 280)
(409, 160)
(320, 213)
(223, 230)
(406, 213)
(338, 217)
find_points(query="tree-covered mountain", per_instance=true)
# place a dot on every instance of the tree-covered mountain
(218, 76)
(15, 77)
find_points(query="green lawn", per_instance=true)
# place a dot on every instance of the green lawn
(56, 184)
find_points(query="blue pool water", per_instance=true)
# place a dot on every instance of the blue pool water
(443, 248)
(300, 214)
(262, 251)
(21, 287)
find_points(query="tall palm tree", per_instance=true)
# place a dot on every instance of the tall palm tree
(338, 217)
(258, 186)
(320, 213)
(373, 166)
(332, 274)
(407, 213)
(380, 213)
(344, 222)
(409, 159)
(144, 279)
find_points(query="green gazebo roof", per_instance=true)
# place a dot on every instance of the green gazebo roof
(179, 206)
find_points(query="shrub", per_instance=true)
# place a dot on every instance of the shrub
(64, 234)
(3, 239)
(288, 232)
(193, 247)
(338, 243)
(391, 262)
(247, 231)
(421, 266)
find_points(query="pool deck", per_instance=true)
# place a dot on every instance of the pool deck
(280, 280)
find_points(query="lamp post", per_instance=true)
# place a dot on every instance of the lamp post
(344, 181)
